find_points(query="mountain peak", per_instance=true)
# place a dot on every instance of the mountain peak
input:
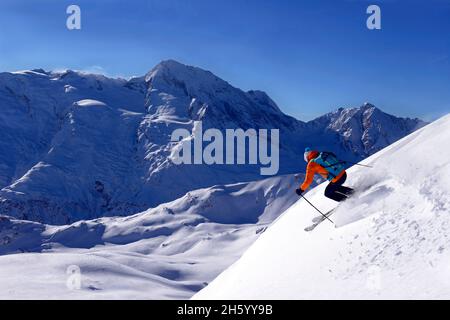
(168, 66)
(170, 63)
(366, 129)
(367, 105)
(40, 70)
(189, 92)
(172, 69)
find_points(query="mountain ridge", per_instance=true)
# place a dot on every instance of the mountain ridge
(61, 163)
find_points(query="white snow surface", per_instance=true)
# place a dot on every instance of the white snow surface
(169, 252)
(391, 240)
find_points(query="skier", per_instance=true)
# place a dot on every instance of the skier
(328, 166)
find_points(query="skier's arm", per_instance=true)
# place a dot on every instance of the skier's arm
(310, 171)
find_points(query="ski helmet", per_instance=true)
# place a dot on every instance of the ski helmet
(305, 155)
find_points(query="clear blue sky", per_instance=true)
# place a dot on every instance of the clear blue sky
(310, 56)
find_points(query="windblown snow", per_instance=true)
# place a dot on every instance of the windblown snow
(391, 240)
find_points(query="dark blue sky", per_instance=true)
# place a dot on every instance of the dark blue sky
(310, 56)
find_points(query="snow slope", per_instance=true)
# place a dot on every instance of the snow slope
(391, 241)
(171, 251)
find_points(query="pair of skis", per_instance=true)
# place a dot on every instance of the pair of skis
(324, 216)
(318, 220)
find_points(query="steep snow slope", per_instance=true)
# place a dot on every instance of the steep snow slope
(391, 240)
(82, 146)
(170, 251)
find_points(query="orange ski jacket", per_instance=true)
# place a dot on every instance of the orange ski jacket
(312, 168)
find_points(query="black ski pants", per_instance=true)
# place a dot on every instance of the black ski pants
(336, 190)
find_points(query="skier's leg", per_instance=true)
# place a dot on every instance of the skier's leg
(330, 192)
(336, 196)
(341, 188)
(341, 180)
(346, 190)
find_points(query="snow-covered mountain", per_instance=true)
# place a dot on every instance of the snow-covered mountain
(366, 130)
(390, 241)
(171, 251)
(81, 146)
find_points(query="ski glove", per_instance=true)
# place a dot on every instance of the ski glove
(299, 191)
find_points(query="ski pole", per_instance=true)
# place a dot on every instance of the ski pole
(358, 164)
(317, 210)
